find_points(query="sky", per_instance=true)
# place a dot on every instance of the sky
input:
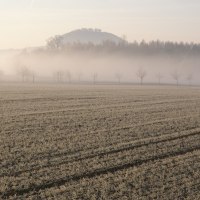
(26, 23)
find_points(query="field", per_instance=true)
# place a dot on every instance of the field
(99, 142)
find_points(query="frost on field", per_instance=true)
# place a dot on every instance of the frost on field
(99, 142)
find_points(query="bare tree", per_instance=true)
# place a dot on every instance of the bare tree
(141, 73)
(176, 76)
(189, 78)
(118, 77)
(79, 75)
(24, 72)
(55, 42)
(32, 76)
(94, 76)
(68, 76)
(159, 76)
(59, 75)
(27, 74)
(124, 40)
(1, 75)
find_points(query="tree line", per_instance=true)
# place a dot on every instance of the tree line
(65, 76)
(143, 47)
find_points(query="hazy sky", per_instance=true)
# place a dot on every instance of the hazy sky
(30, 22)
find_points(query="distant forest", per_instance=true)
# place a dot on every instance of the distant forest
(135, 48)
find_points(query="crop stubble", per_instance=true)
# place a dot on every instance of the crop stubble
(99, 142)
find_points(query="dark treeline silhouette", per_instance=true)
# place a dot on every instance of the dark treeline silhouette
(143, 47)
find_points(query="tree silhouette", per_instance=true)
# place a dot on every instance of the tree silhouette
(59, 76)
(1, 75)
(54, 43)
(24, 72)
(94, 76)
(33, 76)
(159, 76)
(68, 76)
(141, 73)
(189, 78)
(118, 77)
(79, 74)
(174, 49)
(176, 76)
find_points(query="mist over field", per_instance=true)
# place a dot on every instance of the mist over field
(100, 100)
(108, 60)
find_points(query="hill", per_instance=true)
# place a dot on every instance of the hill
(95, 36)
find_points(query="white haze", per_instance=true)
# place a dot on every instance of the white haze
(83, 66)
